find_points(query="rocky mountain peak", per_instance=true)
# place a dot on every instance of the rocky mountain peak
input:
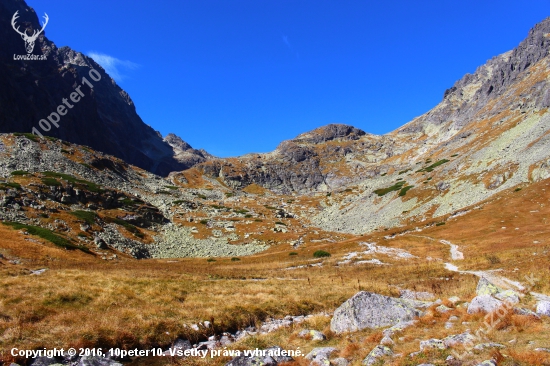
(104, 119)
(177, 142)
(330, 132)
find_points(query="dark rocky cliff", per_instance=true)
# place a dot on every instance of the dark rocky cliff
(105, 118)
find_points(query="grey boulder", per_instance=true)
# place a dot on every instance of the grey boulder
(314, 335)
(543, 308)
(320, 356)
(376, 353)
(370, 310)
(484, 304)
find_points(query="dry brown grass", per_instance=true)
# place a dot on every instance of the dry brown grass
(130, 303)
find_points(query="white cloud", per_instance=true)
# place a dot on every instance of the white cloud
(112, 65)
(285, 40)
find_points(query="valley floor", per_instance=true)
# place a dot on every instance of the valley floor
(81, 300)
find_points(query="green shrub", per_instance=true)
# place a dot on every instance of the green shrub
(30, 136)
(434, 165)
(247, 216)
(241, 211)
(383, 175)
(91, 186)
(8, 185)
(171, 187)
(235, 259)
(19, 172)
(404, 190)
(403, 171)
(517, 189)
(258, 220)
(280, 223)
(51, 182)
(202, 196)
(47, 235)
(396, 187)
(440, 223)
(204, 222)
(210, 260)
(321, 254)
(229, 194)
(87, 216)
(292, 253)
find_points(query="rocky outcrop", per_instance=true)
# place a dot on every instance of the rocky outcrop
(184, 153)
(370, 310)
(104, 118)
(330, 132)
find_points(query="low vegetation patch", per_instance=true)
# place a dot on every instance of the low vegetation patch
(7, 185)
(30, 136)
(91, 186)
(47, 235)
(396, 187)
(404, 190)
(87, 216)
(20, 172)
(430, 168)
(321, 254)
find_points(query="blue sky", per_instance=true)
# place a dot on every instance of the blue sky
(239, 76)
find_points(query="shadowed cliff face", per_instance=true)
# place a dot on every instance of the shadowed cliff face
(104, 118)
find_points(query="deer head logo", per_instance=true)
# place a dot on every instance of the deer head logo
(29, 40)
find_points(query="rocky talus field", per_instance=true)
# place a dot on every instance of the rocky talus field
(425, 246)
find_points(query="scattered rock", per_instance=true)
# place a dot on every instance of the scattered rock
(432, 343)
(454, 299)
(320, 355)
(314, 335)
(543, 308)
(370, 310)
(377, 352)
(488, 363)
(397, 328)
(484, 303)
(340, 361)
(457, 339)
(179, 344)
(442, 309)
(508, 296)
(39, 271)
(483, 346)
(387, 341)
(523, 311)
(484, 287)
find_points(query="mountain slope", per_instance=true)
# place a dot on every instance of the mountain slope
(489, 133)
(104, 118)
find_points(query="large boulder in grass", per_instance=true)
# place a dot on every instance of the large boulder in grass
(370, 310)
(484, 287)
(543, 308)
(484, 304)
